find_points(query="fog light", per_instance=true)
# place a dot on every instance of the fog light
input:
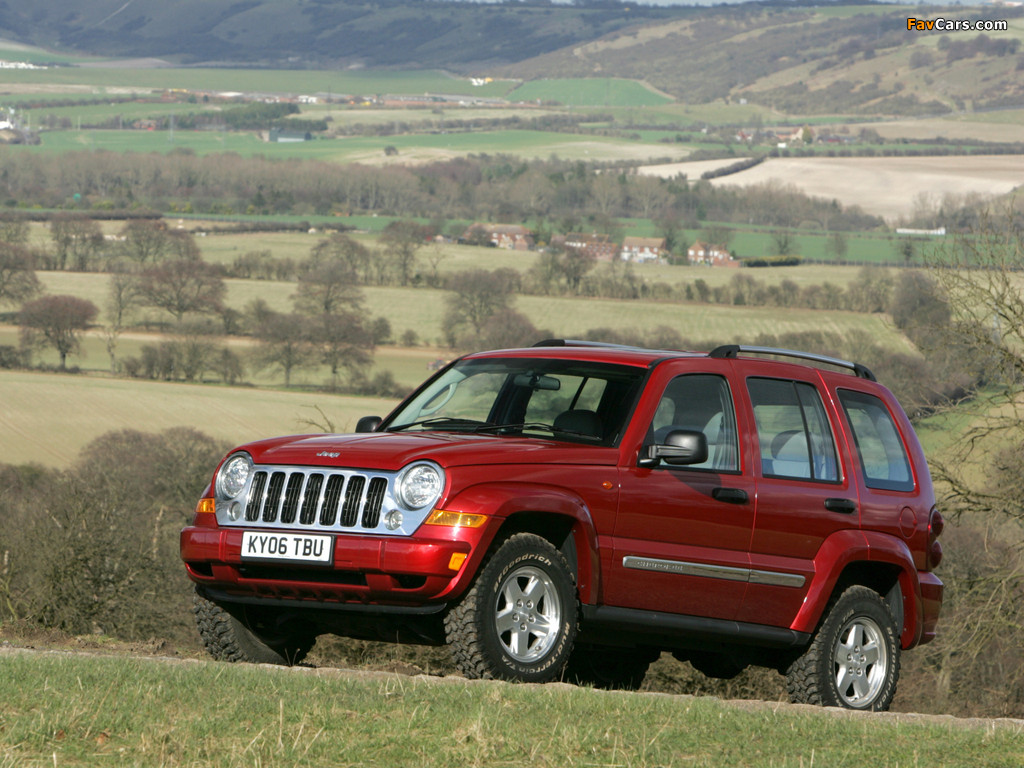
(393, 520)
(234, 511)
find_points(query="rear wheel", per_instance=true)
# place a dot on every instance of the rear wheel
(853, 660)
(245, 637)
(519, 619)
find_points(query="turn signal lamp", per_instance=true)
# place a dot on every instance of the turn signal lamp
(455, 519)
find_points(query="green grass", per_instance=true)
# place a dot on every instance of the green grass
(365, 82)
(347, 149)
(596, 91)
(58, 709)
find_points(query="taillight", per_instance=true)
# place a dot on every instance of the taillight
(935, 526)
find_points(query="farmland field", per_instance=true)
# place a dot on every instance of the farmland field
(604, 91)
(412, 148)
(885, 186)
(421, 310)
(49, 418)
(112, 78)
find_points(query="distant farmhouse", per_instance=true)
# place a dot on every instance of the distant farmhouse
(595, 246)
(510, 236)
(703, 254)
(276, 134)
(644, 250)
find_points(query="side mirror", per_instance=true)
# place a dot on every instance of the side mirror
(681, 447)
(368, 424)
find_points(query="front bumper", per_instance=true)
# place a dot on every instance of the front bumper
(366, 570)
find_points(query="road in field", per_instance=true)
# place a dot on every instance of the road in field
(890, 187)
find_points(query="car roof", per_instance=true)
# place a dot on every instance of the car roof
(621, 354)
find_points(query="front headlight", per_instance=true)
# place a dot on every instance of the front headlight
(234, 474)
(419, 485)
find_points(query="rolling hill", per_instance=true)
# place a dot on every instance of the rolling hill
(796, 59)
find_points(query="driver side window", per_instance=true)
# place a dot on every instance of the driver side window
(700, 402)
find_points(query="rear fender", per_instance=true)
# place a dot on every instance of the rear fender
(507, 503)
(852, 556)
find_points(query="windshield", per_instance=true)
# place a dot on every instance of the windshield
(562, 399)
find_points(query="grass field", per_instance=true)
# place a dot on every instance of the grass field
(115, 79)
(68, 709)
(49, 418)
(412, 148)
(421, 309)
(602, 92)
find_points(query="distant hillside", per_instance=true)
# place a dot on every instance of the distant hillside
(303, 33)
(805, 60)
(798, 59)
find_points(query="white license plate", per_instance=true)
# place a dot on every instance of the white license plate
(296, 547)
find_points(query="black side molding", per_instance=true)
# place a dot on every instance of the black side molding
(693, 627)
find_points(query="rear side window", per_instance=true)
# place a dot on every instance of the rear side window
(793, 430)
(882, 453)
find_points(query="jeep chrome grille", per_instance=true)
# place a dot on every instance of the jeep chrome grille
(318, 499)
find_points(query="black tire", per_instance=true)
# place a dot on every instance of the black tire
(853, 660)
(518, 621)
(613, 669)
(230, 638)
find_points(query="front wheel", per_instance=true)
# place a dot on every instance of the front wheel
(853, 660)
(228, 637)
(519, 619)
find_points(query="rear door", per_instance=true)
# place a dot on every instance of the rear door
(804, 495)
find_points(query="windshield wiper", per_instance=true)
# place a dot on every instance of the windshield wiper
(533, 425)
(442, 423)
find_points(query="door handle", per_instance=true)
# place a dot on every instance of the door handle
(845, 506)
(730, 495)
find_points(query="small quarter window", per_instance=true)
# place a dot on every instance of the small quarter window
(883, 456)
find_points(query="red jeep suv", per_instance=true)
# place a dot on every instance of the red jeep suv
(572, 510)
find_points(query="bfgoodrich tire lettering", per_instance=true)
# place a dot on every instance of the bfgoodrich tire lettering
(853, 660)
(228, 638)
(519, 620)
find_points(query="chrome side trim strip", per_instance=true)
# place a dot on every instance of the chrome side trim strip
(729, 573)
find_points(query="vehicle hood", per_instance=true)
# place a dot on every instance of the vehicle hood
(392, 451)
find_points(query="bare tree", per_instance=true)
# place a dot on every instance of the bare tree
(328, 288)
(14, 230)
(123, 294)
(402, 240)
(980, 274)
(145, 241)
(76, 238)
(181, 286)
(475, 296)
(18, 281)
(56, 321)
(285, 342)
(349, 251)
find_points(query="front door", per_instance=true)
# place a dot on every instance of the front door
(682, 532)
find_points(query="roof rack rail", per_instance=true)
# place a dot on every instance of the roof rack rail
(733, 350)
(581, 343)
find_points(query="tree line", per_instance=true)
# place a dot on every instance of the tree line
(571, 195)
